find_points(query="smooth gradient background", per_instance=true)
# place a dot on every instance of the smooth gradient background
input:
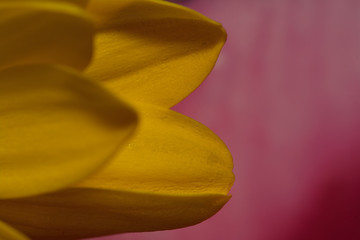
(284, 96)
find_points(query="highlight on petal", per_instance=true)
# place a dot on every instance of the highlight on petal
(153, 51)
(80, 212)
(81, 3)
(35, 32)
(56, 128)
(175, 173)
(169, 154)
(8, 233)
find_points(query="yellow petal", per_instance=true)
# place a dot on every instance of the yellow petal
(153, 51)
(81, 3)
(169, 154)
(8, 233)
(44, 32)
(175, 173)
(81, 213)
(55, 128)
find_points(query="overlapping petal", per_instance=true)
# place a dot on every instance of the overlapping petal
(56, 128)
(8, 233)
(152, 51)
(80, 212)
(175, 173)
(169, 153)
(44, 32)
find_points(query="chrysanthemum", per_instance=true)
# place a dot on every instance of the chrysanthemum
(71, 163)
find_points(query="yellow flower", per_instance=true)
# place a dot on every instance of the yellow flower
(58, 126)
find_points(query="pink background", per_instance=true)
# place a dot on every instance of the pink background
(284, 96)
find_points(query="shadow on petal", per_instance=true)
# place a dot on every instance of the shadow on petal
(85, 212)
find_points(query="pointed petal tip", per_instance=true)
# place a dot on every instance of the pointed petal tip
(168, 154)
(153, 51)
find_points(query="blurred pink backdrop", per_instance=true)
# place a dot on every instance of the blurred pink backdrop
(284, 97)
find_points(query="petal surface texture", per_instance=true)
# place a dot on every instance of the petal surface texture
(153, 51)
(171, 154)
(44, 32)
(8, 233)
(55, 128)
(81, 213)
(175, 173)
